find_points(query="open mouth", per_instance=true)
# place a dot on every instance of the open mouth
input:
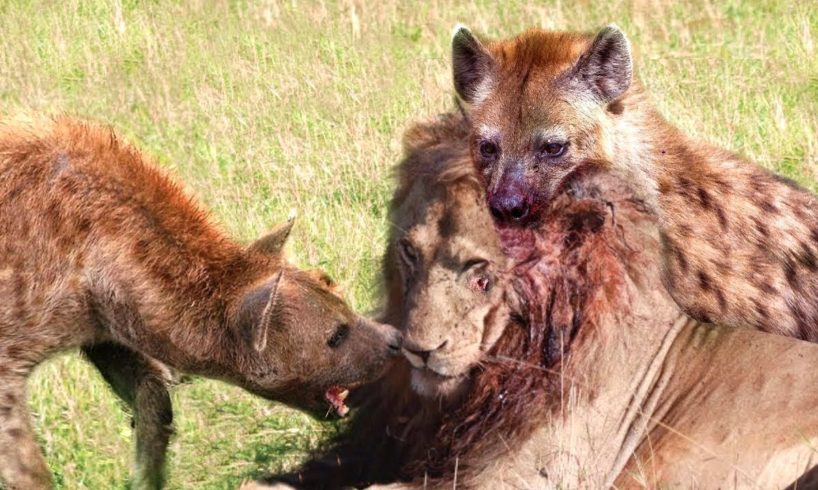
(336, 395)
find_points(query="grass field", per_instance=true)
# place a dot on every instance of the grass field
(264, 106)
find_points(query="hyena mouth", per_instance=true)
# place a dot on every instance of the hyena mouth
(517, 243)
(336, 395)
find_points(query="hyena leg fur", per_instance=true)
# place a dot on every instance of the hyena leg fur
(142, 384)
(22, 466)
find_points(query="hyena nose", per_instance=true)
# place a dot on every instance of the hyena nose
(510, 207)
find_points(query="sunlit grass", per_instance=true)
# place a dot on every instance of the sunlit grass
(262, 107)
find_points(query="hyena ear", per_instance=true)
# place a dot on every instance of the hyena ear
(606, 68)
(273, 242)
(262, 326)
(472, 64)
(323, 278)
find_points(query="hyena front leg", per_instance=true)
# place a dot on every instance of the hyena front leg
(22, 466)
(142, 383)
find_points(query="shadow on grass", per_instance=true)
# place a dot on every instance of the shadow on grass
(267, 459)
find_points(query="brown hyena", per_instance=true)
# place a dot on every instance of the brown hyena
(740, 243)
(99, 250)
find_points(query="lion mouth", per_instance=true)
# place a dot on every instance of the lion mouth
(431, 373)
(336, 395)
(432, 384)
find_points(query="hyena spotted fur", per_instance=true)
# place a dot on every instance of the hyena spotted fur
(740, 242)
(101, 251)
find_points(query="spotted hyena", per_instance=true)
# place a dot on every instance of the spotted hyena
(101, 251)
(740, 243)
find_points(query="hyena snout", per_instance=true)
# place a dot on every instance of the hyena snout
(394, 341)
(510, 205)
(385, 339)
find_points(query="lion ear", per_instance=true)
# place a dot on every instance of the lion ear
(472, 64)
(606, 68)
(273, 242)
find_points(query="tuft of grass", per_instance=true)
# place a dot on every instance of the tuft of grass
(265, 106)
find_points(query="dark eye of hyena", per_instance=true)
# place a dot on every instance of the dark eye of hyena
(489, 151)
(553, 149)
(338, 336)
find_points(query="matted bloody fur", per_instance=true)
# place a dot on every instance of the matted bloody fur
(99, 250)
(740, 243)
(569, 276)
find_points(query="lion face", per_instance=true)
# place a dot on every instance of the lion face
(451, 267)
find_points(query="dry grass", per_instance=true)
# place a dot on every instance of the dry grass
(265, 106)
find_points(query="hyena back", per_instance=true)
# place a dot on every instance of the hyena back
(740, 243)
(101, 251)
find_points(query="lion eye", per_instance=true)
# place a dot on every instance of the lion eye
(408, 254)
(480, 283)
(489, 150)
(553, 149)
(472, 263)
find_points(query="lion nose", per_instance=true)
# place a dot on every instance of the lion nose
(419, 356)
(508, 207)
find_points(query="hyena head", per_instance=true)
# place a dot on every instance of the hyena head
(538, 104)
(305, 346)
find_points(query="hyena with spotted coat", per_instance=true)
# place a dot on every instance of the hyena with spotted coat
(101, 251)
(740, 243)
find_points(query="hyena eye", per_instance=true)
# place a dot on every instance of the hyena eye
(338, 336)
(489, 150)
(553, 149)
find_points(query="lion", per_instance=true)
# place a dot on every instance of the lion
(560, 360)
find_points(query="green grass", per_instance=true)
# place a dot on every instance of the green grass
(264, 106)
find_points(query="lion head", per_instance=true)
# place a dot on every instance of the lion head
(445, 265)
(446, 289)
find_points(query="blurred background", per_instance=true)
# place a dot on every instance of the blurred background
(265, 106)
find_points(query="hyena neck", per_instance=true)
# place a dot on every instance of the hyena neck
(740, 243)
(693, 186)
(636, 142)
(659, 160)
(187, 320)
(223, 349)
(206, 336)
